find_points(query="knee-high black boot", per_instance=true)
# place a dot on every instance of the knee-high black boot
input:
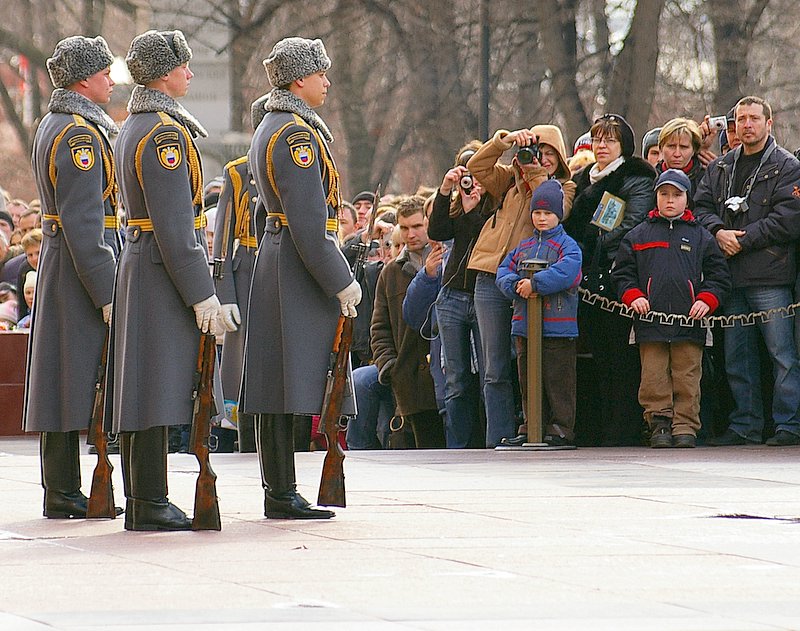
(301, 429)
(61, 475)
(275, 441)
(247, 433)
(145, 468)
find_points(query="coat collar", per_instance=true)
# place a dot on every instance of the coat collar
(284, 101)
(145, 99)
(68, 102)
(687, 216)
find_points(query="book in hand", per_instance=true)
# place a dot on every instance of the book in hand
(610, 212)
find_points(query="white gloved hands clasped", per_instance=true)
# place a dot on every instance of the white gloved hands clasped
(231, 316)
(349, 297)
(207, 313)
(107, 314)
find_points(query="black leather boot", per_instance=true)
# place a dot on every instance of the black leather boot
(301, 431)
(145, 470)
(247, 433)
(61, 475)
(275, 441)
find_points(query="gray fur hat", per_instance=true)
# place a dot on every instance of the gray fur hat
(155, 53)
(76, 58)
(294, 58)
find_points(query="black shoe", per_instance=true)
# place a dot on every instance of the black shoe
(661, 438)
(143, 515)
(554, 440)
(728, 439)
(514, 442)
(684, 441)
(58, 505)
(782, 438)
(293, 507)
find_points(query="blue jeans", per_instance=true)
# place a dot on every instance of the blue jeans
(744, 368)
(455, 313)
(370, 427)
(494, 313)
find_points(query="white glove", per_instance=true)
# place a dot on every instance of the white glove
(230, 316)
(349, 297)
(206, 312)
(107, 314)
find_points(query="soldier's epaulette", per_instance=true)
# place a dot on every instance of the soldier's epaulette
(235, 163)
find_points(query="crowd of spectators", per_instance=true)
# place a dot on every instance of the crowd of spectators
(706, 224)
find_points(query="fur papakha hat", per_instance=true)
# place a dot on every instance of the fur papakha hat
(155, 53)
(294, 58)
(77, 58)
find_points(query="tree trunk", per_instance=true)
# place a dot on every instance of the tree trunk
(634, 74)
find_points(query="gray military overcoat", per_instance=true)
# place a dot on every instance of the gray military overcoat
(73, 165)
(161, 274)
(236, 205)
(293, 309)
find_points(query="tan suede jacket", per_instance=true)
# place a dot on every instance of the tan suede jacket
(512, 221)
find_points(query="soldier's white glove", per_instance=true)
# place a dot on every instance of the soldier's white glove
(206, 312)
(107, 314)
(349, 297)
(230, 316)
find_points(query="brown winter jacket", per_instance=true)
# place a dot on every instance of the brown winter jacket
(399, 351)
(512, 222)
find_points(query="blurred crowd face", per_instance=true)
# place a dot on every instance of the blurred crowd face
(677, 151)
(752, 126)
(32, 255)
(29, 295)
(549, 158)
(6, 229)
(346, 225)
(15, 210)
(653, 155)
(363, 208)
(606, 149)
(28, 222)
(415, 231)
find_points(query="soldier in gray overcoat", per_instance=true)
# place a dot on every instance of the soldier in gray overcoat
(74, 169)
(164, 291)
(301, 282)
(235, 244)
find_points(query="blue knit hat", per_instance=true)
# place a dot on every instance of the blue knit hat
(549, 196)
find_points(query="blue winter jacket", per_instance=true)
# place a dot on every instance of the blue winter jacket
(557, 284)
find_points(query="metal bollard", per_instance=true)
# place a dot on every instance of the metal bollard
(527, 269)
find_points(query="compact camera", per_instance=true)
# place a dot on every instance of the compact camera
(718, 122)
(527, 154)
(466, 183)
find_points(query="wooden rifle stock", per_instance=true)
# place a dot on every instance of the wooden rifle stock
(101, 497)
(206, 507)
(331, 486)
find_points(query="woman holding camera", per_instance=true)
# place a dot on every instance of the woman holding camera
(540, 155)
(617, 420)
(460, 209)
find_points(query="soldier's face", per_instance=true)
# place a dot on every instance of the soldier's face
(314, 88)
(99, 86)
(176, 81)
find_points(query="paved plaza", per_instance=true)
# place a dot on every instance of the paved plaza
(601, 539)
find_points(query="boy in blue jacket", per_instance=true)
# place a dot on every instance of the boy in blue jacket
(671, 264)
(558, 286)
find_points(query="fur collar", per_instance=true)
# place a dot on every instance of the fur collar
(285, 101)
(68, 102)
(148, 100)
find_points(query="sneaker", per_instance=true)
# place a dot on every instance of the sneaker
(782, 438)
(684, 441)
(728, 439)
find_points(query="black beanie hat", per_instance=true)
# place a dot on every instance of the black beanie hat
(626, 131)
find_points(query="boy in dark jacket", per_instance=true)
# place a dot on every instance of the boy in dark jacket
(558, 284)
(671, 264)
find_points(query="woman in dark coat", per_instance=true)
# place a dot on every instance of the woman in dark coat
(614, 416)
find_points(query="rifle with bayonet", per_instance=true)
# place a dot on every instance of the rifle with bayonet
(101, 497)
(206, 506)
(331, 486)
